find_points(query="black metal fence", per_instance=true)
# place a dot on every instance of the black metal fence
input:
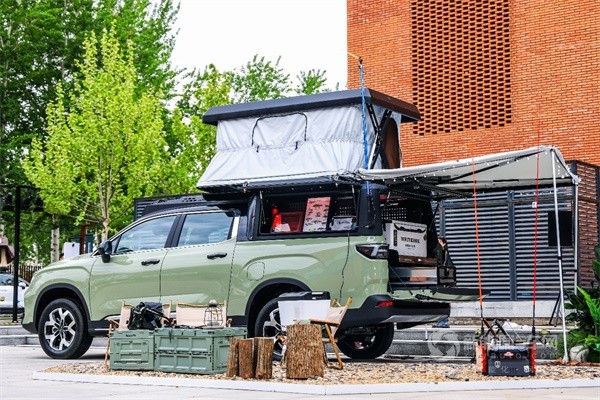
(26, 271)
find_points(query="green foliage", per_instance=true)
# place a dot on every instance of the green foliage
(596, 264)
(593, 305)
(40, 42)
(105, 145)
(585, 312)
(260, 79)
(311, 82)
(147, 26)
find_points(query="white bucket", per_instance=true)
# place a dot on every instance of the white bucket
(292, 311)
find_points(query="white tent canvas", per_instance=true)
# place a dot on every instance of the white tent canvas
(311, 143)
(315, 136)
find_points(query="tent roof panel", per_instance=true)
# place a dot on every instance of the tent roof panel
(409, 112)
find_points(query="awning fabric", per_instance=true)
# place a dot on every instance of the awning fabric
(500, 171)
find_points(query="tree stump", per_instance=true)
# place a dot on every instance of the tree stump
(304, 354)
(263, 350)
(246, 358)
(233, 365)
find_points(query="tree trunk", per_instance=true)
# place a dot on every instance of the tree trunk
(304, 354)
(233, 364)
(55, 243)
(246, 358)
(263, 349)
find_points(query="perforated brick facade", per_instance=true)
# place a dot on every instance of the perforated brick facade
(488, 76)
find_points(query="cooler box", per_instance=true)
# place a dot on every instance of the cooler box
(301, 306)
(407, 238)
(509, 361)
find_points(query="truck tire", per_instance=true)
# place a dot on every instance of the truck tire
(62, 330)
(367, 347)
(268, 324)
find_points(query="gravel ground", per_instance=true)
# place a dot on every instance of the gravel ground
(379, 371)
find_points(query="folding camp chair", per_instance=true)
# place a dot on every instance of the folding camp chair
(331, 323)
(195, 315)
(117, 324)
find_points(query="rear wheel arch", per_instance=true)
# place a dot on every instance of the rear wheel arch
(266, 292)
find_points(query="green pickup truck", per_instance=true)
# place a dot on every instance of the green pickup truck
(247, 241)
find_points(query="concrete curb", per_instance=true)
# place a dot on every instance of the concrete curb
(320, 389)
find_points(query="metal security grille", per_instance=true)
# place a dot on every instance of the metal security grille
(461, 64)
(458, 225)
(506, 243)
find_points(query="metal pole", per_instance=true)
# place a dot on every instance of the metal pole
(559, 255)
(16, 256)
(576, 234)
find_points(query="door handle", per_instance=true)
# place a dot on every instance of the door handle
(216, 255)
(150, 262)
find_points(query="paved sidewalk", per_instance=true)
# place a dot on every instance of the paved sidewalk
(18, 364)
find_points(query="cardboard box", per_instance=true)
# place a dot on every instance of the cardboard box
(407, 238)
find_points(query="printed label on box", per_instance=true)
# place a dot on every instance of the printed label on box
(407, 238)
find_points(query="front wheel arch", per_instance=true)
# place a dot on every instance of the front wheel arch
(62, 291)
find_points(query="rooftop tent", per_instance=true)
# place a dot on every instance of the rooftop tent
(500, 171)
(313, 137)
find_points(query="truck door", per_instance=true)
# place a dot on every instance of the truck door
(197, 269)
(133, 272)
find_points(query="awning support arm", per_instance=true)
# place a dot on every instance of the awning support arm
(559, 256)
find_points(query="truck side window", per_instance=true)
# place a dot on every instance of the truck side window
(205, 228)
(308, 214)
(148, 235)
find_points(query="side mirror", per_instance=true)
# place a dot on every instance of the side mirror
(105, 249)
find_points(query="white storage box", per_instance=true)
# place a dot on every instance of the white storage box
(302, 306)
(407, 238)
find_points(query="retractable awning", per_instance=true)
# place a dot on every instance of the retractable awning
(500, 171)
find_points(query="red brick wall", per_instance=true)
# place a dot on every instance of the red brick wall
(554, 77)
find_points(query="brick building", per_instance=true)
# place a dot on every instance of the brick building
(486, 75)
(491, 76)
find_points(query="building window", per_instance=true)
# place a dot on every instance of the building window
(461, 64)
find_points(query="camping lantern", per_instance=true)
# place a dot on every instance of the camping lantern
(213, 316)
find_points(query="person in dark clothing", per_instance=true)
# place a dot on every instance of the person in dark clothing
(442, 255)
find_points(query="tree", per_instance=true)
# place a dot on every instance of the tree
(40, 40)
(192, 143)
(39, 43)
(260, 79)
(310, 82)
(105, 145)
